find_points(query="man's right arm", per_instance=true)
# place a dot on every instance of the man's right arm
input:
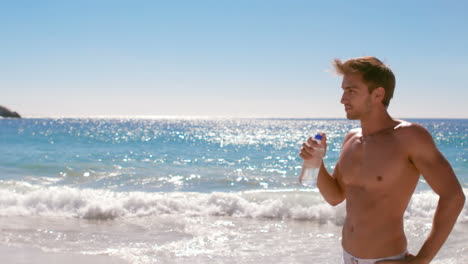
(329, 185)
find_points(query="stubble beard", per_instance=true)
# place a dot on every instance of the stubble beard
(360, 113)
(352, 116)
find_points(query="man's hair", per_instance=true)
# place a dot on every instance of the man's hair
(374, 74)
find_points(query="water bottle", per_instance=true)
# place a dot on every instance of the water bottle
(310, 168)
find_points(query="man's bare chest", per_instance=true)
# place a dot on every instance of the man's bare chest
(373, 162)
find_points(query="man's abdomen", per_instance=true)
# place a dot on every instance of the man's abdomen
(371, 237)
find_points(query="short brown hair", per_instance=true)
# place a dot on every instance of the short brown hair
(374, 74)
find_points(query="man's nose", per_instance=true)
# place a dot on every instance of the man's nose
(344, 99)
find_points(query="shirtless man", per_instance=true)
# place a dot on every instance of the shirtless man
(378, 170)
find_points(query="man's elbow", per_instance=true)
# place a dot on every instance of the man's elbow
(462, 199)
(457, 199)
(334, 201)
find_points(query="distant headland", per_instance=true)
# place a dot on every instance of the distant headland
(5, 112)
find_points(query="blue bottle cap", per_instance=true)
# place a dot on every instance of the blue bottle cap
(318, 137)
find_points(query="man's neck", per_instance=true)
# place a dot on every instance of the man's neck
(376, 122)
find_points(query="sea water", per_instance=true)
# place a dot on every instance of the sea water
(187, 190)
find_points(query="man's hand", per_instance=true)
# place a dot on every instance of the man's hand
(307, 150)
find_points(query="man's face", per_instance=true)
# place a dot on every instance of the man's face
(356, 98)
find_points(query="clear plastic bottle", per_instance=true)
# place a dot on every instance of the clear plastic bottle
(311, 168)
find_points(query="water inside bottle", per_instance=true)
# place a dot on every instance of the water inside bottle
(309, 177)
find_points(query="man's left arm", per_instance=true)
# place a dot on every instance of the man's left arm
(438, 173)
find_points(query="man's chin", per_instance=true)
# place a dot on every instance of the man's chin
(351, 116)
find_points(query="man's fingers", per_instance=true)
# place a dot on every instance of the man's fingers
(312, 142)
(306, 151)
(305, 154)
(324, 138)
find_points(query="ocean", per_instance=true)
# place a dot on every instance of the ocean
(187, 190)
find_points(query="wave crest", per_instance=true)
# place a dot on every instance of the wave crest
(108, 205)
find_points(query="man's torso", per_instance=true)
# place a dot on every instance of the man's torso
(378, 179)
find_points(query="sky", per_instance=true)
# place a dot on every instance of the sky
(226, 58)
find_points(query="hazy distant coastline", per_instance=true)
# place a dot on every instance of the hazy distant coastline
(5, 112)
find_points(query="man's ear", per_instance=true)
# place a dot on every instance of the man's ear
(378, 94)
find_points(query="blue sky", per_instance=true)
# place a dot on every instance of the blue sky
(262, 58)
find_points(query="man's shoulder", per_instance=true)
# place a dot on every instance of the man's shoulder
(351, 133)
(411, 129)
(413, 132)
(355, 131)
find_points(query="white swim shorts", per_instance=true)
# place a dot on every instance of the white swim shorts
(350, 259)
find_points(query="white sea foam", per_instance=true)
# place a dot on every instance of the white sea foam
(423, 205)
(181, 227)
(105, 205)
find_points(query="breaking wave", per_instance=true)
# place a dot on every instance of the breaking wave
(107, 205)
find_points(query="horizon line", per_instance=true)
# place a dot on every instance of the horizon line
(205, 117)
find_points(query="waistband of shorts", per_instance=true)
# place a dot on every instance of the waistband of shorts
(354, 259)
